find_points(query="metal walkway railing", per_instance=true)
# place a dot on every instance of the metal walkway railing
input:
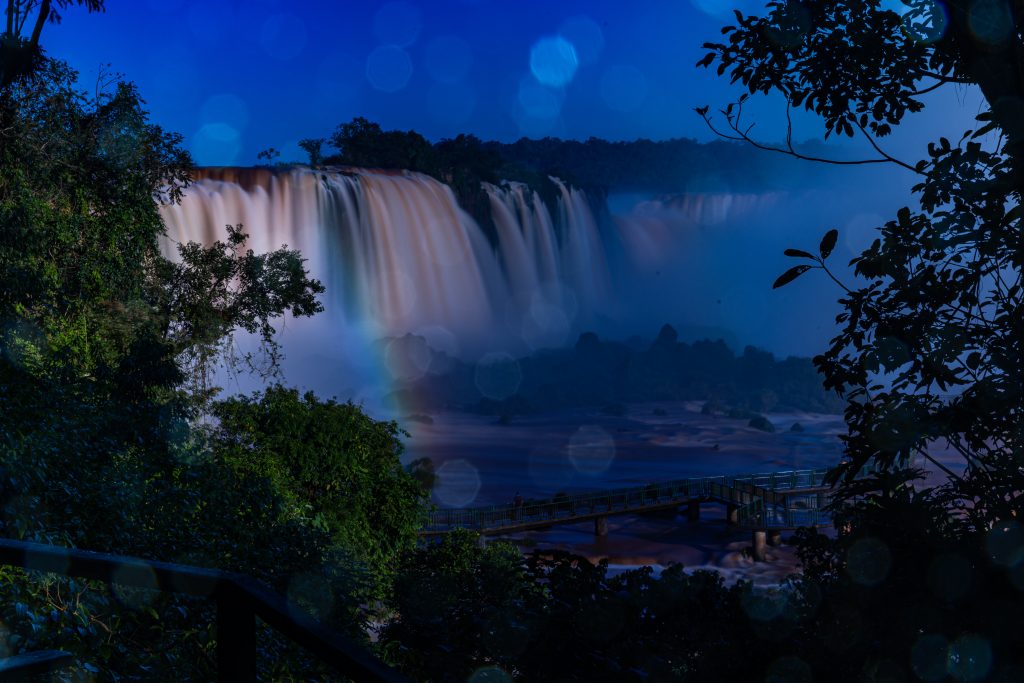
(759, 497)
(240, 600)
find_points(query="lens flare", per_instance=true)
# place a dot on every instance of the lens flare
(553, 61)
(457, 484)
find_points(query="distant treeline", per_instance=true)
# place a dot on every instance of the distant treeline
(606, 375)
(668, 166)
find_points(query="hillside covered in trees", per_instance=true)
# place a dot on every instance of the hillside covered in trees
(605, 375)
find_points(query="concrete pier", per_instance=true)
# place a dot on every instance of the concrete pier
(760, 541)
(732, 514)
(600, 526)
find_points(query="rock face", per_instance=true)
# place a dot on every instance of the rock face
(761, 422)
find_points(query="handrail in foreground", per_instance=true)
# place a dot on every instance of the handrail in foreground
(239, 598)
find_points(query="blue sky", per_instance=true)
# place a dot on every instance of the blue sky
(237, 77)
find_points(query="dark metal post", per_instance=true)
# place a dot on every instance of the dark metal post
(693, 511)
(236, 637)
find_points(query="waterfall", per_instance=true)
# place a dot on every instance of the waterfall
(399, 255)
(652, 231)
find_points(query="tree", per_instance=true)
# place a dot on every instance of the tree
(313, 147)
(20, 52)
(98, 448)
(930, 349)
(333, 462)
(554, 616)
(363, 143)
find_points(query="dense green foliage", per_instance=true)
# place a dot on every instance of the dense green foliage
(98, 446)
(929, 349)
(557, 617)
(106, 352)
(20, 50)
(330, 461)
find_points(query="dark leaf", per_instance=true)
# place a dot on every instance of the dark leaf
(790, 275)
(828, 243)
(798, 253)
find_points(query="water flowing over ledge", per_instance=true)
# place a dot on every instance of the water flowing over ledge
(399, 255)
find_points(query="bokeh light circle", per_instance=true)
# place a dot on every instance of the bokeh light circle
(226, 108)
(591, 450)
(969, 658)
(991, 21)
(553, 61)
(586, 37)
(457, 484)
(498, 375)
(216, 144)
(407, 358)
(440, 339)
(868, 561)
(388, 68)
(928, 23)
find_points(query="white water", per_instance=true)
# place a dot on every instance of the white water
(398, 255)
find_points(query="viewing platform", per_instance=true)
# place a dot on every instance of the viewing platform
(766, 503)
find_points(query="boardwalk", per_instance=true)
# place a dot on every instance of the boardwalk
(764, 503)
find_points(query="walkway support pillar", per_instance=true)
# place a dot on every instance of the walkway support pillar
(600, 526)
(693, 511)
(732, 514)
(775, 537)
(759, 542)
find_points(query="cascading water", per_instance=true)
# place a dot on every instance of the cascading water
(652, 229)
(399, 255)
